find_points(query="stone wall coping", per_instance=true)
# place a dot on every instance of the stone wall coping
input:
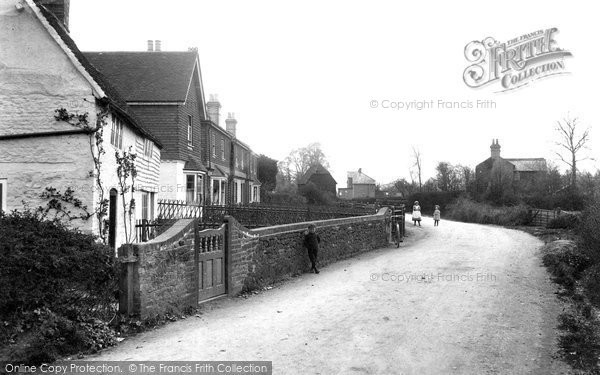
(299, 227)
(176, 232)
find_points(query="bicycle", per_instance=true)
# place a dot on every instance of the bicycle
(397, 225)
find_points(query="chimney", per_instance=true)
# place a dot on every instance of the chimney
(150, 45)
(495, 149)
(157, 45)
(359, 170)
(230, 123)
(213, 107)
(60, 8)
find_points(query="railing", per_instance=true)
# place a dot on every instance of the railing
(256, 215)
(145, 230)
(176, 209)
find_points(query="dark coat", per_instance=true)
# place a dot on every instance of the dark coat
(311, 241)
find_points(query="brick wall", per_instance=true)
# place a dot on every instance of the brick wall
(161, 276)
(263, 256)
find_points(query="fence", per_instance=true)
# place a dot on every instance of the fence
(256, 215)
(176, 209)
(541, 217)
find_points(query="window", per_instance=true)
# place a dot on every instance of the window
(222, 148)
(199, 188)
(148, 148)
(147, 206)
(194, 188)
(214, 145)
(116, 134)
(3, 194)
(189, 134)
(243, 157)
(190, 187)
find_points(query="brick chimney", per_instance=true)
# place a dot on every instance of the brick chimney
(60, 8)
(150, 45)
(157, 45)
(495, 149)
(230, 123)
(213, 107)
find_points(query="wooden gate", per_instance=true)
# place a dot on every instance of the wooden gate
(210, 248)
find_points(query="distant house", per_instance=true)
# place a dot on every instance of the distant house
(358, 185)
(42, 71)
(202, 163)
(320, 177)
(521, 172)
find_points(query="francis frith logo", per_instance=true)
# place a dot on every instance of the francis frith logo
(514, 63)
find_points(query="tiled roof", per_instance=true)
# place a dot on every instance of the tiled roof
(147, 76)
(117, 102)
(528, 164)
(315, 169)
(194, 164)
(360, 178)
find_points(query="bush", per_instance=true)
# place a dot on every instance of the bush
(589, 233)
(590, 281)
(470, 211)
(58, 289)
(565, 261)
(428, 200)
(316, 196)
(564, 221)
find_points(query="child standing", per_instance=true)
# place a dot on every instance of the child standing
(311, 242)
(436, 216)
(416, 213)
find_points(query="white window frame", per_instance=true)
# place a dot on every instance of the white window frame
(214, 144)
(221, 197)
(148, 148)
(3, 194)
(190, 134)
(116, 133)
(222, 148)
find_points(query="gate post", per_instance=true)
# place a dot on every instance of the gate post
(196, 261)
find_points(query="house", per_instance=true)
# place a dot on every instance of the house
(320, 177)
(164, 89)
(42, 71)
(358, 185)
(520, 173)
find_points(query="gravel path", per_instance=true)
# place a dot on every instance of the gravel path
(454, 299)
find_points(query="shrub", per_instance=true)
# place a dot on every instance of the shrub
(565, 261)
(58, 287)
(428, 200)
(590, 281)
(564, 221)
(464, 209)
(316, 196)
(589, 233)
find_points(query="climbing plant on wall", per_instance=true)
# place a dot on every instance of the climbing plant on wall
(127, 172)
(59, 203)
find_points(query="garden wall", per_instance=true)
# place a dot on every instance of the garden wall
(161, 276)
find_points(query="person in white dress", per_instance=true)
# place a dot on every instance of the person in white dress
(416, 213)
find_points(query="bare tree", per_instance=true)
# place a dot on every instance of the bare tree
(571, 140)
(418, 166)
(297, 163)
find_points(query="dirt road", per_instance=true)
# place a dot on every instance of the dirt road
(456, 299)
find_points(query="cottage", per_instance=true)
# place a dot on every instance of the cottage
(201, 161)
(359, 185)
(520, 173)
(320, 177)
(42, 71)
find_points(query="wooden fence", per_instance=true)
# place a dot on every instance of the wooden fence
(541, 217)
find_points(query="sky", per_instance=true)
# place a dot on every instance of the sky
(300, 72)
